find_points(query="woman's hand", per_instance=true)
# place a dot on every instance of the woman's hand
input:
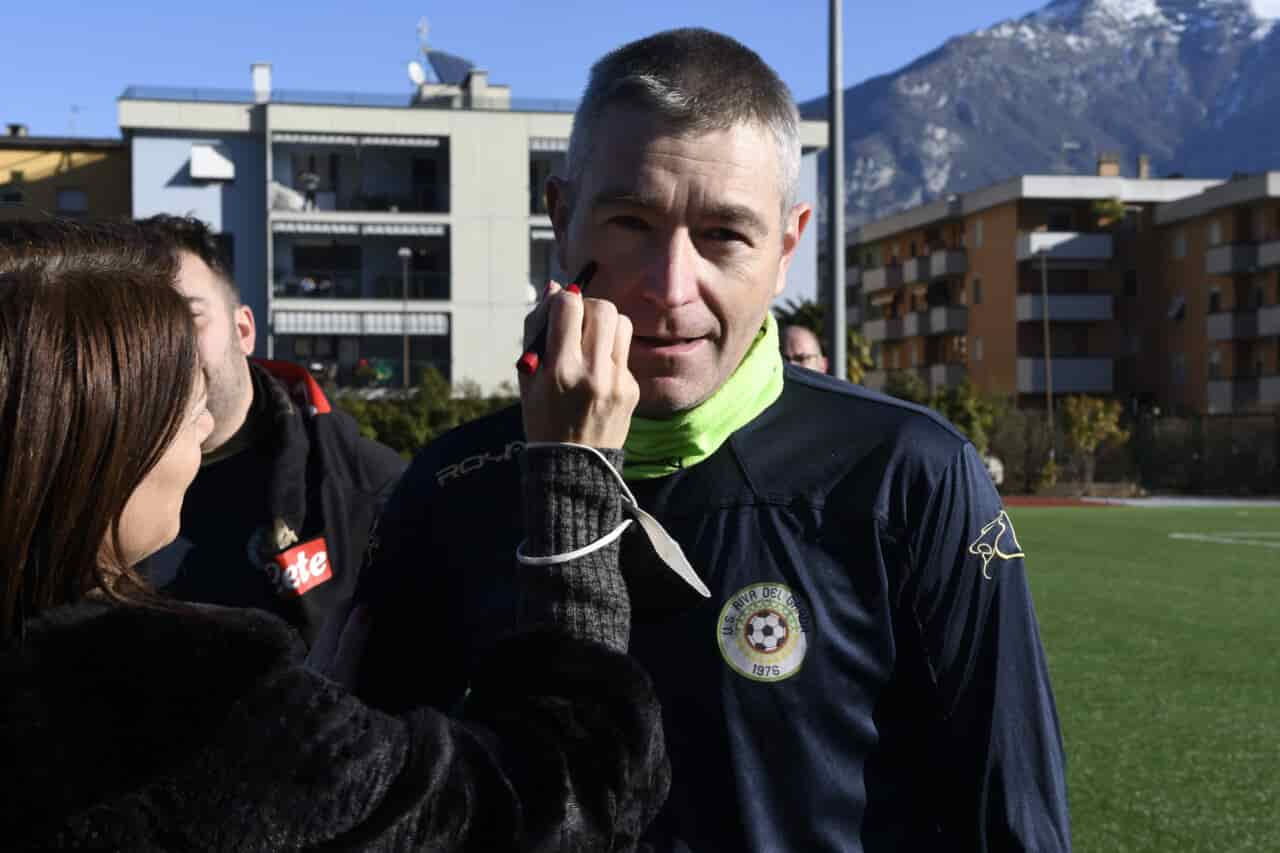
(582, 391)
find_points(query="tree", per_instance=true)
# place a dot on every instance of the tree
(972, 412)
(813, 317)
(1091, 422)
(907, 385)
(407, 422)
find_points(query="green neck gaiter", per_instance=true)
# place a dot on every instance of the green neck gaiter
(656, 448)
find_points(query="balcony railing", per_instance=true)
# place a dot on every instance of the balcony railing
(1066, 307)
(1244, 392)
(330, 285)
(1244, 325)
(1070, 375)
(1269, 254)
(936, 376)
(935, 321)
(433, 198)
(937, 264)
(1065, 248)
(878, 278)
(1231, 258)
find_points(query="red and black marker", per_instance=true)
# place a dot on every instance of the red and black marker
(528, 363)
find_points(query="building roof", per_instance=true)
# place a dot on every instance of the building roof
(1240, 191)
(1056, 187)
(79, 143)
(307, 97)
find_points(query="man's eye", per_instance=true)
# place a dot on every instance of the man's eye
(726, 235)
(631, 223)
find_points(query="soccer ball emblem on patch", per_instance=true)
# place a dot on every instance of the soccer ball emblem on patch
(761, 632)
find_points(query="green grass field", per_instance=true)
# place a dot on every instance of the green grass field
(1165, 658)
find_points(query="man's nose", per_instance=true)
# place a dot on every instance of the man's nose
(672, 278)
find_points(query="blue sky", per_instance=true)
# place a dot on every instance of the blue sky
(60, 55)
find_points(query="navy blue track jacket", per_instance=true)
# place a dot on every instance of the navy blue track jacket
(868, 674)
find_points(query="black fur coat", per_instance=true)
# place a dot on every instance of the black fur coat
(199, 729)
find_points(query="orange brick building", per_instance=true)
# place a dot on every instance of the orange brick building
(1215, 319)
(956, 289)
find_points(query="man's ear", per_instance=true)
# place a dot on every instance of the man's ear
(560, 209)
(246, 329)
(792, 230)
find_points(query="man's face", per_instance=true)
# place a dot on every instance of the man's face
(692, 245)
(800, 347)
(225, 336)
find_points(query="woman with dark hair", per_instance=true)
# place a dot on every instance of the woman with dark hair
(128, 722)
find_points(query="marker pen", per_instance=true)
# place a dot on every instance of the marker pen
(528, 363)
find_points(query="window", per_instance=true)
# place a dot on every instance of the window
(12, 193)
(1178, 307)
(977, 290)
(1179, 244)
(72, 202)
(1215, 233)
(977, 349)
(915, 354)
(1060, 219)
(1259, 296)
(977, 234)
(1215, 300)
(1179, 367)
(911, 249)
(1215, 364)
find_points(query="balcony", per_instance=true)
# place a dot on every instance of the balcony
(339, 268)
(1070, 375)
(328, 284)
(1066, 307)
(935, 321)
(936, 376)
(1065, 248)
(1231, 258)
(878, 278)
(1244, 325)
(1269, 254)
(1244, 392)
(937, 264)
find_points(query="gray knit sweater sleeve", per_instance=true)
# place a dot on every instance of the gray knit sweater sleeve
(570, 501)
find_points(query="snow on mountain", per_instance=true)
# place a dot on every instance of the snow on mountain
(1195, 84)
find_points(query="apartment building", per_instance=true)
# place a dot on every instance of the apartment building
(1216, 317)
(960, 288)
(62, 176)
(365, 226)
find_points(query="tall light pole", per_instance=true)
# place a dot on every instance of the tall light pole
(835, 193)
(405, 254)
(1048, 352)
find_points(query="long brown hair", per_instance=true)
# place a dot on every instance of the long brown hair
(97, 369)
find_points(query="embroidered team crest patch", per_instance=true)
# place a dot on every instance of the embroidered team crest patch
(762, 632)
(997, 540)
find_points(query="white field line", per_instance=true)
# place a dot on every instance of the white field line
(1259, 538)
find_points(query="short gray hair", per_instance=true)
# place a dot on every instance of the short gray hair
(693, 81)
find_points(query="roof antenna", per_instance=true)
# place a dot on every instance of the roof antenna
(418, 74)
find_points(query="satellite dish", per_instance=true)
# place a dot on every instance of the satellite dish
(416, 74)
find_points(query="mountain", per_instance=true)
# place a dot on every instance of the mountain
(1195, 84)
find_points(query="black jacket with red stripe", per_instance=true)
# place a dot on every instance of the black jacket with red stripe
(282, 525)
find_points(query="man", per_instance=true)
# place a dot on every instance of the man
(867, 675)
(802, 348)
(288, 491)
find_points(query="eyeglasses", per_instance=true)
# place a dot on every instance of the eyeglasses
(802, 357)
